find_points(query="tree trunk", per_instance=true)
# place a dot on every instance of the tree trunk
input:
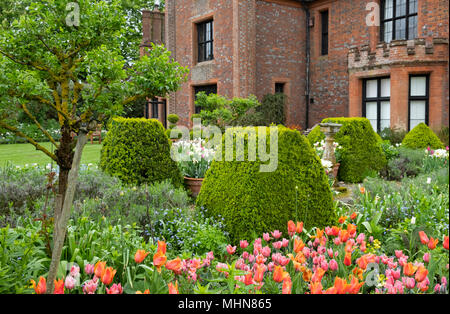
(62, 219)
(65, 156)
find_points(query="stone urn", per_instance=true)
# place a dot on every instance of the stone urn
(193, 184)
(330, 130)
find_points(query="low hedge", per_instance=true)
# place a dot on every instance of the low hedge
(420, 137)
(252, 202)
(137, 151)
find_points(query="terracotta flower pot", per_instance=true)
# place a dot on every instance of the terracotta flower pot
(193, 184)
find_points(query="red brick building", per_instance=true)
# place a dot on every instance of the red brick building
(383, 59)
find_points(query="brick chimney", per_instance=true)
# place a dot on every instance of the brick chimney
(152, 28)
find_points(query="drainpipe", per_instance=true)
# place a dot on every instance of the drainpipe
(308, 63)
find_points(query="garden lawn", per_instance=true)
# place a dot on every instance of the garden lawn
(21, 154)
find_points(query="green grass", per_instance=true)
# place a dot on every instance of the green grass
(22, 154)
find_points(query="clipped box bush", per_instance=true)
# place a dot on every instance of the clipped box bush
(137, 151)
(361, 148)
(252, 202)
(421, 136)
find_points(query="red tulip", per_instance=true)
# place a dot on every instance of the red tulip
(259, 273)
(175, 265)
(291, 227)
(140, 256)
(108, 275)
(354, 215)
(59, 287)
(348, 259)
(41, 286)
(173, 289)
(423, 237)
(445, 244)
(287, 285)
(432, 243)
(421, 274)
(342, 219)
(159, 259)
(99, 269)
(299, 228)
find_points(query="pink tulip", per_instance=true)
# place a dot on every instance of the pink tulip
(371, 239)
(426, 257)
(324, 265)
(330, 252)
(410, 283)
(395, 273)
(231, 249)
(251, 258)
(89, 269)
(90, 287)
(399, 286)
(444, 281)
(70, 282)
(276, 234)
(285, 242)
(266, 251)
(398, 253)
(115, 289)
(277, 245)
(243, 244)
(74, 271)
(210, 255)
(333, 265)
(245, 255)
(271, 266)
(337, 241)
(360, 238)
(266, 237)
(437, 288)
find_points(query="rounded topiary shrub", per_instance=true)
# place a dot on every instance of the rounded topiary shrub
(361, 151)
(421, 136)
(137, 151)
(252, 202)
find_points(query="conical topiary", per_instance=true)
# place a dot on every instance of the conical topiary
(421, 136)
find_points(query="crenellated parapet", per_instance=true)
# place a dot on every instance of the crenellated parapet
(398, 52)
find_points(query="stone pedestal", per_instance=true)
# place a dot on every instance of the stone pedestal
(330, 130)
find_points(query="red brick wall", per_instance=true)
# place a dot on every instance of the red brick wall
(280, 46)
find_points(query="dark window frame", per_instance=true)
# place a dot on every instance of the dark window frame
(203, 43)
(426, 98)
(394, 18)
(279, 86)
(377, 99)
(208, 89)
(324, 17)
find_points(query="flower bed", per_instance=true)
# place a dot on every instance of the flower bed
(335, 260)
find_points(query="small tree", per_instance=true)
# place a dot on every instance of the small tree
(67, 57)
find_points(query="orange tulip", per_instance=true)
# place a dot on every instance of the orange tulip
(298, 245)
(300, 258)
(318, 274)
(358, 272)
(348, 247)
(259, 273)
(353, 215)
(421, 274)
(307, 274)
(291, 227)
(41, 286)
(445, 243)
(342, 219)
(354, 286)
(108, 275)
(316, 288)
(362, 262)
(140, 256)
(348, 259)
(162, 247)
(351, 228)
(59, 287)
(278, 274)
(423, 237)
(409, 269)
(159, 259)
(287, 285)
(248, 280)
(343, 235)
(99, 269)
(173, 289)
(145, 292)
(175, 265)
(297, 266)
(362, 189)
(432, 243)
(299, 228)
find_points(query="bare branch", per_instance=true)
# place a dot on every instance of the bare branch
(32, 117)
